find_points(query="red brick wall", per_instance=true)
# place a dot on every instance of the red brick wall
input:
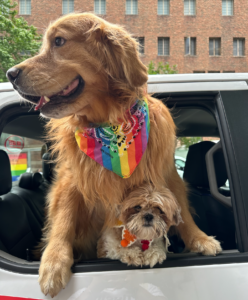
(208, 22)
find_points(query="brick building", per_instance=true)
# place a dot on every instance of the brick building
(197, 35)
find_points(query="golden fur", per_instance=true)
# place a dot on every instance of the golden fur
(161, 205)
(84, 196)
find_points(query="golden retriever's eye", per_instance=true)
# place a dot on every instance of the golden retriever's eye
(59, 41)
(137, 208)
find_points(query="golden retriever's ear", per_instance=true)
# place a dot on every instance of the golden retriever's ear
(119, 54)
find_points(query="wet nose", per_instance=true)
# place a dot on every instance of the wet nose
(148, 217)
(13, 73)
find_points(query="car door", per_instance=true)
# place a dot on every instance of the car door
(183, 275)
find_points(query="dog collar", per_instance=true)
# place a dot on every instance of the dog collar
(128, 239)
(118, 148)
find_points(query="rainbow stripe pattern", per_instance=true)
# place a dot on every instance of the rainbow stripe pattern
(18, 163)
(118, 148)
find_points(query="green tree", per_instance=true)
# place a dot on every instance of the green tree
(18, 40)
(161, 68)
(188, 141)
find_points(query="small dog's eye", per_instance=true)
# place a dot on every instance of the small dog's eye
(59, 41)
(160, 210)
(138, 207)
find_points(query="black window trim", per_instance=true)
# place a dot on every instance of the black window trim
(241, 222)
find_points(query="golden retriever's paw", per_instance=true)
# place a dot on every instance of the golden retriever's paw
(206, 245)
(152, 257)
(132, 257)
(53, 276)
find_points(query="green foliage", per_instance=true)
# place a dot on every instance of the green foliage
(188, 141)
(18, 40)
(161, 68)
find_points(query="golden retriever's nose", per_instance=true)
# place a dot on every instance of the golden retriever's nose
(13, 73)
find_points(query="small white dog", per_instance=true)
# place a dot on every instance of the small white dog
(140, 235)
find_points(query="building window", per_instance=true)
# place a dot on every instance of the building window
(141, 41)
(189, 7)
(227, 7)
(213, 71)
(238, 47)
(25, 7)
(190, 46)
(131, 7)
(100, 7)
(163, 46)
(198, 71)
(228, 71)
(67, 6)
(163, 7)
(25, 53)
(214, 47)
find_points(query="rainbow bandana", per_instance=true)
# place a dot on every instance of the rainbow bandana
(118, 148)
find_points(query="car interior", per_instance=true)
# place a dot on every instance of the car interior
(22, 207)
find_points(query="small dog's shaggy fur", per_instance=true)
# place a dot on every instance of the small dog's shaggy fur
(147, 213)
(84, 195)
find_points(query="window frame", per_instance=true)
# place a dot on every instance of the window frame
(100, 6)
(238, 40)
(214, 47)
(232, 13)
(163, 39)
(191, 39)
(190, 1)
(132, 8)
(141, 45)
(68, 7)
(211, 101)
(168, 4)
(25, 14)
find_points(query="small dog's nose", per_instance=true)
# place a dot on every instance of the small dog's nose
(13, 73)
(148, 217)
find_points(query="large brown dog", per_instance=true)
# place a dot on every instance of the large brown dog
(91, 72)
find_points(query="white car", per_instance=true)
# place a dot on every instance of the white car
(210, 105)
(180, 164)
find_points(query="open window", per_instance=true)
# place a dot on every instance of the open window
(196, 117)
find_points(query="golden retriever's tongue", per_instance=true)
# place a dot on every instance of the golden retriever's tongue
(70, 87)
(42, 102)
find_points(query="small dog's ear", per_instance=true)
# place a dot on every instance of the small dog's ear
(177, 218)
(119, 54)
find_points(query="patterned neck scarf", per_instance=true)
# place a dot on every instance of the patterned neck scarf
(118, 148)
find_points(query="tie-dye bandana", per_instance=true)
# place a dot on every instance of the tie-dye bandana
(118, 148)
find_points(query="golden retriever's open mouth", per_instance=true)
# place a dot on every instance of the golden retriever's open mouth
(69, 93)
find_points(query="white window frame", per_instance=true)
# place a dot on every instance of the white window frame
(68, 6)
(214, 46)
(26, 13)
(165, 3)
(100, 7)
(132, 7)
(242, 42)
(163, 40)
(190, 2)
(190, 38)
(226, 12)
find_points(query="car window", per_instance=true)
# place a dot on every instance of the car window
(182, 148)
(24, 153)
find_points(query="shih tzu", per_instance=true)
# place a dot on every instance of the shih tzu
(140, 234)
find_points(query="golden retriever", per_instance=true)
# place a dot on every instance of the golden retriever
(91, 72)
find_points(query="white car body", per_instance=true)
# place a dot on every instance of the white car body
(215, 281)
